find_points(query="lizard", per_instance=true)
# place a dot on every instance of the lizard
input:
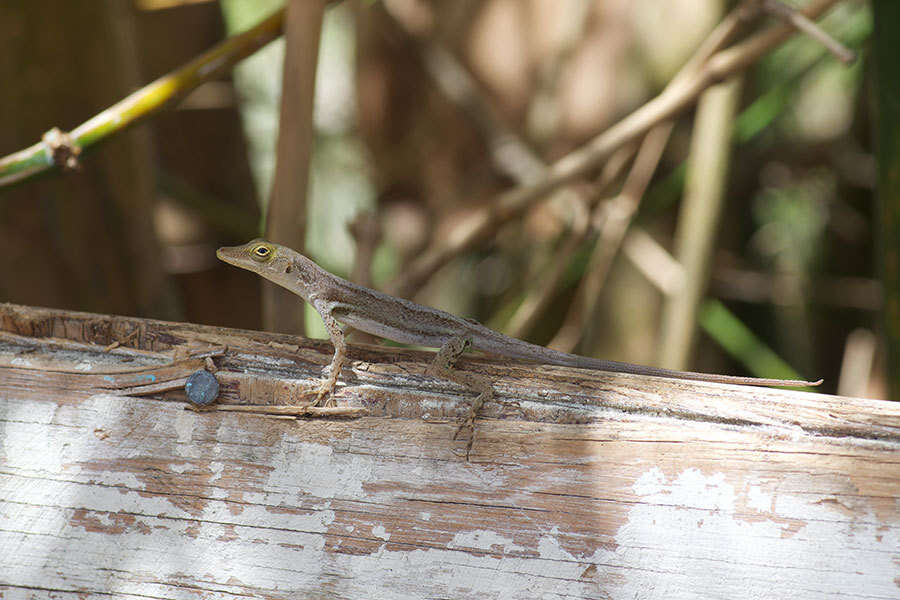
(397, 319)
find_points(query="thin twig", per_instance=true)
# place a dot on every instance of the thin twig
(653, 261)
(543, 288)
(619, 212)
(508, 151)
(676, 97)
(723, 34)
(804, 24)
(656, 264)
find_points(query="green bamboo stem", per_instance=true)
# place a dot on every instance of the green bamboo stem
(148, 100)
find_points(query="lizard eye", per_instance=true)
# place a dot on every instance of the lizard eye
(261, 252)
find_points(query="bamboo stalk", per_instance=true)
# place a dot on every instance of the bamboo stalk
(287, 209)
(699, 218)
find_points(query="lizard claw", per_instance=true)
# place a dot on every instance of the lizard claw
(469, 422)
(470, 425)
(324, 395)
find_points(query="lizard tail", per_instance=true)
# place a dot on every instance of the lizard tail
(516, 348)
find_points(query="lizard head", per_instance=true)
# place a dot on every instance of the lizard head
(275, 262)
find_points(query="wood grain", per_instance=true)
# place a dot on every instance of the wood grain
(582, 484)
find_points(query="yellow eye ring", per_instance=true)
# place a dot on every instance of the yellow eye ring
(261, 253)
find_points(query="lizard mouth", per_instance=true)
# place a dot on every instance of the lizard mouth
(223, 255)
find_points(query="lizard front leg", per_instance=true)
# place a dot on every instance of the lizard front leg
(332, 371)
(442, 366)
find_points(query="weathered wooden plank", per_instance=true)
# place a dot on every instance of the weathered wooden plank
(656, 490)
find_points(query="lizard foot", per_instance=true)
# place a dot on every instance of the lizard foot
(325, 394)
(469, 422)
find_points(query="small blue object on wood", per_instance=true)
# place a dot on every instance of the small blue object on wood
(201, 387)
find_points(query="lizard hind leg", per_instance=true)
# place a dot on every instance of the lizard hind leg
(330, 376)
(332, 371)
(442, 366)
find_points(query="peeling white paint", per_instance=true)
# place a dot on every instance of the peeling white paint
(681, 524)
(320, 472)
(650, 482)
(185, 421)
(550, 549)
(216, 468)
(759, 500)
(483, 539)
(179, 468)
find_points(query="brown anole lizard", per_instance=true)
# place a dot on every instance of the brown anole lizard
(340, 301)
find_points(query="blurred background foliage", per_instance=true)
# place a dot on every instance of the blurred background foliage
(792, 277)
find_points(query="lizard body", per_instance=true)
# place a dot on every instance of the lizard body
(340, 301)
